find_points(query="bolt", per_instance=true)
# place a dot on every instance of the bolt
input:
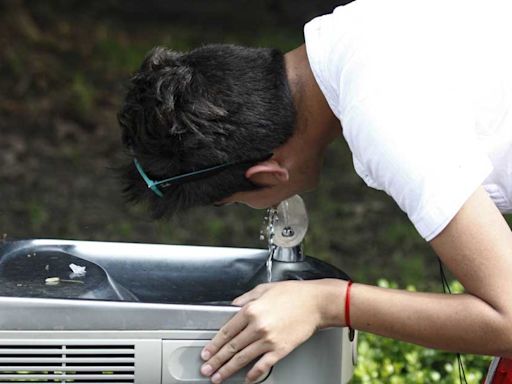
(288, 232)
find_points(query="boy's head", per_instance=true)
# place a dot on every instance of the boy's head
(185, 112)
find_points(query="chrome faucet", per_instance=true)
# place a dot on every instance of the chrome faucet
(289, 225)
(288, 254)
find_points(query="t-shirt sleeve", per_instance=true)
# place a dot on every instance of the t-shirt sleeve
(417, 143)
(403, 92)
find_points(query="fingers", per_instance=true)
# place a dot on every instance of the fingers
(225, 334)
(252, 295)
(254, 331)
(234, 351)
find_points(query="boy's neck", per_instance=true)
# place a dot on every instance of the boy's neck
(316, 125)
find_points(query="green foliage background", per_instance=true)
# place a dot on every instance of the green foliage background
(384, 360)
(63, 66)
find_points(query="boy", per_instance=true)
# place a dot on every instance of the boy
(421, 91)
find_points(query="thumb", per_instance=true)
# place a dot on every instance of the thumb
(252, 295)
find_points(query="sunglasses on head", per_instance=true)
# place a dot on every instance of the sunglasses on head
(155, 186)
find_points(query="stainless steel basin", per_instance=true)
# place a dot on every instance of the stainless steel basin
(141, 313)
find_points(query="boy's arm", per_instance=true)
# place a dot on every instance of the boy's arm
(477, 248)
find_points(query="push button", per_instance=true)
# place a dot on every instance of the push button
(181, 363)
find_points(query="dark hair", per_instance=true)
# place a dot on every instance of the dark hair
(187, 111)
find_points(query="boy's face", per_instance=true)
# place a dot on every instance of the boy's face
(259, 199)
(276, 184)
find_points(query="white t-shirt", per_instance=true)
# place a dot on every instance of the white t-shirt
(423, 90)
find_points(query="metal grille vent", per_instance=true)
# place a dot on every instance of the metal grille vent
(77, 364)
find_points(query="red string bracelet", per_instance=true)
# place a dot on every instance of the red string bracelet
(351, 332)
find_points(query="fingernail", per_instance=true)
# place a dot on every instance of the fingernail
(206, 370)
(216, 378)
(205, 354)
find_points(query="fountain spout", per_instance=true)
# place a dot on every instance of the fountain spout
(289, 228)
(288, 254)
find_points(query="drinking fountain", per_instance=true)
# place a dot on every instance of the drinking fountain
(108, 312)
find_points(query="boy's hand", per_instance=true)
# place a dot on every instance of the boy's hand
(274, 319)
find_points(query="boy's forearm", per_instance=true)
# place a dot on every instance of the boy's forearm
(458, 323)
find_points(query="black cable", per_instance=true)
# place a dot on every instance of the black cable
(446, 288)
(444, 280)
(461, 369)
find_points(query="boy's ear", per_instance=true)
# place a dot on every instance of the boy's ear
(267, 173)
